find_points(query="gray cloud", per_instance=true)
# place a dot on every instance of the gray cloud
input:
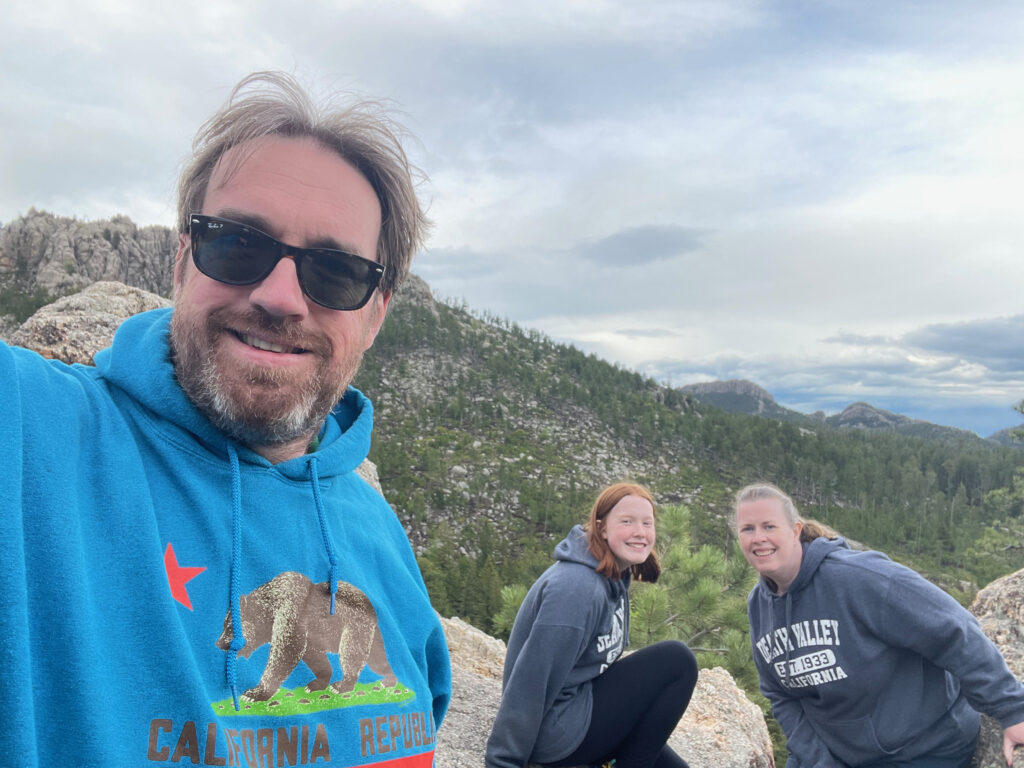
(997, 343)
(640, 245)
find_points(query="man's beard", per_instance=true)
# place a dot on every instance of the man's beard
(257, 406)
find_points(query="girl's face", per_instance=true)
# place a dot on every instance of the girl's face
(769, 542)
(629, 530)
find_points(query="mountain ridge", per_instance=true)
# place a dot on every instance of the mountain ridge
(743, 396)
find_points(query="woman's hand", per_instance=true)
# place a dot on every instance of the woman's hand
(1012, 736)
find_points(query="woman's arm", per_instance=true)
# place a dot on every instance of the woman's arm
(925, 619)
(537, 677)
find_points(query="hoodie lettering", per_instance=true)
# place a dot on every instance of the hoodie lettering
(252, 748)
(803, 634)
(391, 733)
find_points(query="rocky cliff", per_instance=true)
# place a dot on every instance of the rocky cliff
(59, 255)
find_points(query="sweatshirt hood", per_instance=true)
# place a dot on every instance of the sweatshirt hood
(814, 553)
(139, 363)
(574, 548)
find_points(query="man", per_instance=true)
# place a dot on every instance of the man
(191, 570)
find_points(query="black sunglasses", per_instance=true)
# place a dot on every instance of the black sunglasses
(237, 254)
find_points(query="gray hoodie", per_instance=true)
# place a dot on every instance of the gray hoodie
(573, 623)
(864, 660)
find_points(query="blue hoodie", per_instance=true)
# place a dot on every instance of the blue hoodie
(864, 660)
(572, 625)
(155, 575)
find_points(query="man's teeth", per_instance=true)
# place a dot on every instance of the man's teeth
(252, 341)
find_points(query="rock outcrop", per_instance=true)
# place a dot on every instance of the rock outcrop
(76, 327)
(731, 387)
(722, 728)
(999, 608)
(59, 255)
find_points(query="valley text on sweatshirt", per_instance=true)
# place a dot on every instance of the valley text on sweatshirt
(170, 597)
(572, 625)
(864, 660)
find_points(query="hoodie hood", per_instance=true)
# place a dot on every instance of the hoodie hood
(139, 363)
(814, 553)
(574, 548)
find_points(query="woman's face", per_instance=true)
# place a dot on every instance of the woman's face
(769, 542)
(629, 530)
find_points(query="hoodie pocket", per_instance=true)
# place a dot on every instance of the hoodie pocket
(856, 741)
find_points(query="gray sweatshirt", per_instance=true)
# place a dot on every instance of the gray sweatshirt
(572, 625)
(864, 660)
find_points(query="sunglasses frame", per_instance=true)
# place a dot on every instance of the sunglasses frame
(198, 223)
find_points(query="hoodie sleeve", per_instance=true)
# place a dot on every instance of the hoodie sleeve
(923, 618)
(538, 676)
(801, 740)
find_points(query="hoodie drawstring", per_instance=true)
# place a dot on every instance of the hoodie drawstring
(237, 638)
(234, 590)
(333, 576)
(789, 624)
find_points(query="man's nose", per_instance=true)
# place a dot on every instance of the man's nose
(279, 293)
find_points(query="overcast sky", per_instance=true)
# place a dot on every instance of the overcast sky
(824, 198)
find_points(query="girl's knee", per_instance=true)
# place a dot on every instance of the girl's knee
(677, 657)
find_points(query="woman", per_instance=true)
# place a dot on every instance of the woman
(568, 699)
(864, 661)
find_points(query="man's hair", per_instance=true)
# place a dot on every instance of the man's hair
(811, 530)
(650, 569)
(361, 132)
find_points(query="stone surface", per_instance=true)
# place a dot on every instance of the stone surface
(59, 255)
(722, 728)
(999, 608)
(74, 328)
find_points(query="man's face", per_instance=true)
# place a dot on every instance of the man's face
(262, 361)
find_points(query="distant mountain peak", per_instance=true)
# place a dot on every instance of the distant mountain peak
(731, 387)
(863, 415)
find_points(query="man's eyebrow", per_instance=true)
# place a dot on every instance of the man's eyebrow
(262, 223)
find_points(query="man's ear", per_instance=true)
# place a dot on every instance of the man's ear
(181, 260)
(379, 310)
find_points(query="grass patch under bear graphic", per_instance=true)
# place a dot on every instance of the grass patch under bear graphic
(299, 701)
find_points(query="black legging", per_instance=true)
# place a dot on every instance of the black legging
(638, 701)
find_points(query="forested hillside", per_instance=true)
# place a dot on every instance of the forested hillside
(493, 440)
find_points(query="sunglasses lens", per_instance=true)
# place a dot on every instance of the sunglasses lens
(234, 256)
(337, 280)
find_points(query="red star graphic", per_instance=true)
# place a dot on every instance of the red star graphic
(177, 576)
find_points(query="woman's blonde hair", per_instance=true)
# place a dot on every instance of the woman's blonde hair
(811, 530)
(608, 566)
